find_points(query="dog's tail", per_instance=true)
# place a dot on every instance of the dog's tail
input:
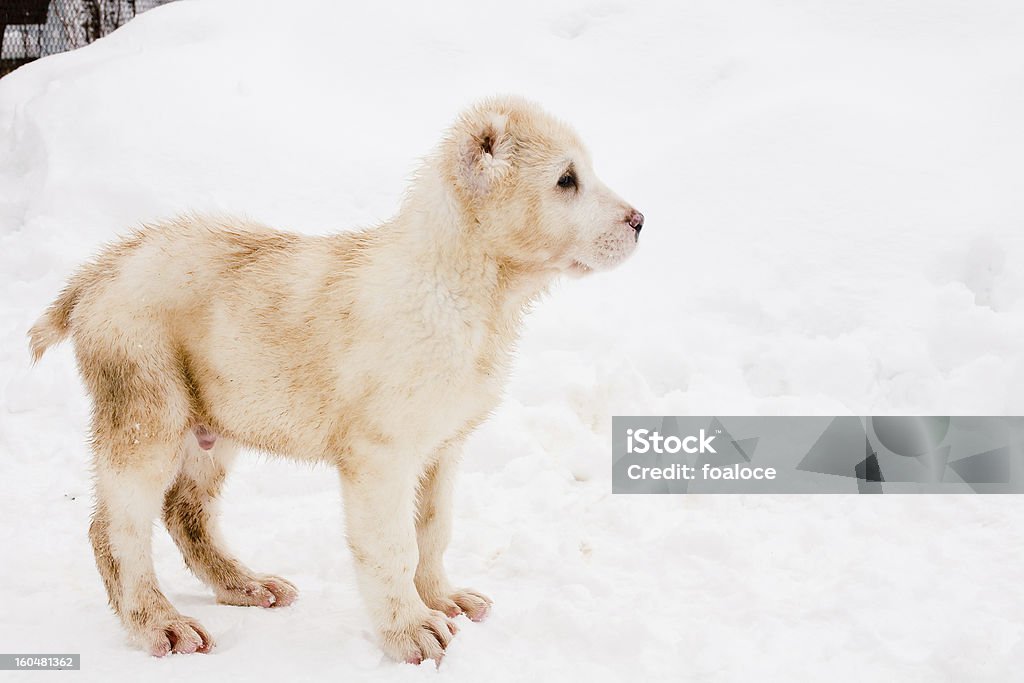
(55, 325)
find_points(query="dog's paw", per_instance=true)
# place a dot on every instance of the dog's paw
(178, 634)
(266, 591)
(474, 605)
(421, 639)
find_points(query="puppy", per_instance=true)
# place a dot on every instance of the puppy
(376, 351)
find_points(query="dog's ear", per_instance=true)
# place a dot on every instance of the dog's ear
(484, 149)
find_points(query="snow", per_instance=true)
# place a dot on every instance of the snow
(834, 226)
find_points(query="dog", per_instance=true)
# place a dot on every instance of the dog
(377, 351)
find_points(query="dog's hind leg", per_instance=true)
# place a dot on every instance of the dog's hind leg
(128, 501)
(190, 514)
(140, 414)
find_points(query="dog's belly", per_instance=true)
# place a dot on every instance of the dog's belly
(311, 410)
(300, 383)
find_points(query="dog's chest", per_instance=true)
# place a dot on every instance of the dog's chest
(438, 366)
(461, 349)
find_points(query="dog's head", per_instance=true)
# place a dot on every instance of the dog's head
(525, 183)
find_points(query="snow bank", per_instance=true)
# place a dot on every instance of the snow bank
(834, 225)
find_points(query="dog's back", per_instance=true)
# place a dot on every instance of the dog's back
(182, 322)
(178, 264)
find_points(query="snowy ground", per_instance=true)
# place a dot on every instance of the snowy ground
(835, 214)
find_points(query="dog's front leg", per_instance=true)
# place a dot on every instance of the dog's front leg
(380, 507)
(433, 531)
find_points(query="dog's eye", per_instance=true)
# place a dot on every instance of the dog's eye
(568, 180)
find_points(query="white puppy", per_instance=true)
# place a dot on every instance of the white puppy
(376, 351)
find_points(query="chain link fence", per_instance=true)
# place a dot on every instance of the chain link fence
(30, 29)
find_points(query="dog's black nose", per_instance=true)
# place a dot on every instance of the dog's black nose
(636, 221)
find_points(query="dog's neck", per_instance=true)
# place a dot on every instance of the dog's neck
(444, 245)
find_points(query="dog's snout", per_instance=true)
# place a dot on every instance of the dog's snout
(635, 220)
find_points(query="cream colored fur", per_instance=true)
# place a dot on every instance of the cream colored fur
(377, 352)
